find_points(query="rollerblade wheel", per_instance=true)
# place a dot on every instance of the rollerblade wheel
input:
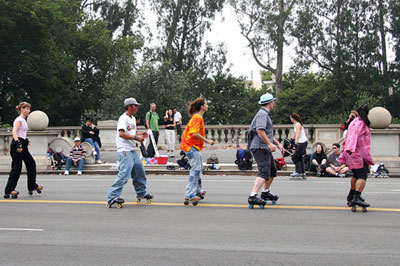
(39, 191)
(364, 209)
(262, 206)
(30, 193)
(6, 196)
(195, 203)
(251, 206)
(108, 205)
(274, 202)
(349, 204)
(354, 209)
(119, 205)
(138, 200)
(186, 202)
(149, 201)
(14, 196)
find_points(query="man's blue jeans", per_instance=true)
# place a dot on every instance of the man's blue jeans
(96, 147)
(130, 165)
(194, 183)
(69, 163)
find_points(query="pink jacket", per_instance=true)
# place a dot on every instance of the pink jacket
(358, 141)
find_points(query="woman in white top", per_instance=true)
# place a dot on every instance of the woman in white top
(300, 146)
(19, 152)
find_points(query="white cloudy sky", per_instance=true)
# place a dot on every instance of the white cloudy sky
(226, 29)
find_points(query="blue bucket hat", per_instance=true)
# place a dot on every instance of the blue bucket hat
(266, 98)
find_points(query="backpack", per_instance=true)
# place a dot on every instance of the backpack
(244, 159)
(307, 162)
(144, 122)
(213, 159)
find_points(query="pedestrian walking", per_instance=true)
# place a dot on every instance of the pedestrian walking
(261, 143)
(300, 146)
(19, 152)
(356, 155)
(130, 165)
(192, 143)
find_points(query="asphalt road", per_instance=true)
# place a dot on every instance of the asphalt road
(68, 224)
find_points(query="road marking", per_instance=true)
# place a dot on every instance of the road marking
(20, 229)
(305, 207)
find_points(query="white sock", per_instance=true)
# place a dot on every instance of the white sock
(265, 190)
(253, 194)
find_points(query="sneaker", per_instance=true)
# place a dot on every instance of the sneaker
(98, 162)
(303, 176)
(66, 172)
(341, 175)
(79, 172)
(294, 174)
(319, 173)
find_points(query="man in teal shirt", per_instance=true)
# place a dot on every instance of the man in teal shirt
(152, 121)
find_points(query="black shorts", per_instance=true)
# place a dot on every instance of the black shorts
(361, 173)
(265, 162)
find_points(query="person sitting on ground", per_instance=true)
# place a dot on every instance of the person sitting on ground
(76, 156)
(318, 161)
(90, 134)
(335, 168)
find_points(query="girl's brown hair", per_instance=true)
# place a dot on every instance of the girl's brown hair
(296, 117)
(22, 105)
(196, 105)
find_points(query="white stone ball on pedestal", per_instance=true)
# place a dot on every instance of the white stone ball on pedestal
(379, 117)
(38, 120)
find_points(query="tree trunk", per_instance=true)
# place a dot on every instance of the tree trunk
(383, 44)
(279, 51)
(174, 25)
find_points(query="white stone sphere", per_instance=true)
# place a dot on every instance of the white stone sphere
(38, 120)
(379, 117)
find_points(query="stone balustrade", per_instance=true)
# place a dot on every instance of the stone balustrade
(224, 135)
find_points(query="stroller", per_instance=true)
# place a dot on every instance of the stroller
(58, 159)
(183, 162)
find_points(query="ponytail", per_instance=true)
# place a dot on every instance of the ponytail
(196, 105)
(297, 117)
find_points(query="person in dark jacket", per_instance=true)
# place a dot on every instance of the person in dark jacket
(318, 160)
(90, 134)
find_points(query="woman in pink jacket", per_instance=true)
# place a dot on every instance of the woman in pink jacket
(356, 155)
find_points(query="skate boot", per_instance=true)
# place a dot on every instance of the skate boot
(350, 197)
(269, 196)
(13, 194)
(38, 190)
(254, 200)
(201, 194)
(357, 201)
(117, 201)
(195, 200)
(148, 198)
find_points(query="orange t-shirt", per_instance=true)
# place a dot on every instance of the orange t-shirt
(195, 125)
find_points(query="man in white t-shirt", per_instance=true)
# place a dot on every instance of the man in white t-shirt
(130, 164)
(178, 121)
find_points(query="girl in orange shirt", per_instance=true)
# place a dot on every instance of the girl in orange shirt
(192, 143)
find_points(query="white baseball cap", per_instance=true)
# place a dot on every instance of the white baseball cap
(130, 101)
(77, 139)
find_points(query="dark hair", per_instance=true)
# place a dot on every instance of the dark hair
(89, 119)
(336, 144)
(322, 148)
(296, 117)
(170, 117)
(363, 111)
(196, 105)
